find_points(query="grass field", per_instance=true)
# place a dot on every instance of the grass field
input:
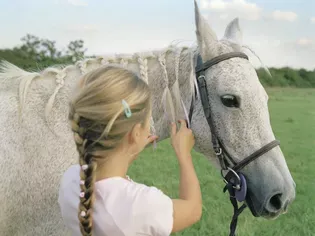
(293, 118)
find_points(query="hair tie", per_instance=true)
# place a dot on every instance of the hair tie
(82, 194)
(81, 182)
(84, 167)
(126, 108)
(83, 214)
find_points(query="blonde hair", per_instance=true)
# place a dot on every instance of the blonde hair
(99, 123)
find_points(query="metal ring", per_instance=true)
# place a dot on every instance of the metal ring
(218, 153)
(201, 76)
(237, 176)
(237, 187)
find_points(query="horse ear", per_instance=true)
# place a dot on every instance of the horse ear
(206, 37)
(233, 32)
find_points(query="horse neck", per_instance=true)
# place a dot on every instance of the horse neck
(171, 68)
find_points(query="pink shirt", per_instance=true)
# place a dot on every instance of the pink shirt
(121, 207)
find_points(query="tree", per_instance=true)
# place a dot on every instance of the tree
(76, 50)
(48, 49)
(30, 46)
(37, 53)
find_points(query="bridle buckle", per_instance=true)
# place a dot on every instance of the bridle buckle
(218, 151)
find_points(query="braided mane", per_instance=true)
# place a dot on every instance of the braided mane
(8, 70)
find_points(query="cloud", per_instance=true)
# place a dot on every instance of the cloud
(223, 16)
(241, 8)
(82, 28)
(81, 3)
(204, 15)
(246, 10)
(77, 3)
(313, 19)
(305, 42)
(284, 15)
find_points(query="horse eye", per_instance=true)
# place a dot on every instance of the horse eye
(230, 101)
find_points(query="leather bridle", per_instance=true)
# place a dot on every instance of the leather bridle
(234, 179)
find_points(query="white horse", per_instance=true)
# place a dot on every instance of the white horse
(37, 145)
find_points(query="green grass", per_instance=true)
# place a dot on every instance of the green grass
(293, 118)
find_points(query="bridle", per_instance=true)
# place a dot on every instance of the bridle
(234, 179)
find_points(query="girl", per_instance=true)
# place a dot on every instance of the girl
(110, 118)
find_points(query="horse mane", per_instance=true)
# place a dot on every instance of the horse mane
(59, 72)
(11, 71)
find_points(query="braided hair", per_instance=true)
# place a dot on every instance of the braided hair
(99, 122)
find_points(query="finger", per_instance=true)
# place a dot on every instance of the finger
(183, 123)
(152, 138)
(173, 129)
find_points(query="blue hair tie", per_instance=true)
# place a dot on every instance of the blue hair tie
(126, 108)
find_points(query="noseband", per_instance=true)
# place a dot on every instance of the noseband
(234, 179)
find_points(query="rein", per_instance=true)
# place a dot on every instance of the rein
(235, 181)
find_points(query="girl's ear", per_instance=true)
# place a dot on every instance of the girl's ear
(134, 134)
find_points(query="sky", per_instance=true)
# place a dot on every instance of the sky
(281, 32)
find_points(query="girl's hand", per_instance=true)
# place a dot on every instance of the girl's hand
(182, 141)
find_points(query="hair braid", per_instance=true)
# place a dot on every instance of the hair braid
(108, 102)
(87, 174)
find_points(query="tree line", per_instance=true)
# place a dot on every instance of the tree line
(35, 53)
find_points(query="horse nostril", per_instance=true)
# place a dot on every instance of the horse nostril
(275, 203)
